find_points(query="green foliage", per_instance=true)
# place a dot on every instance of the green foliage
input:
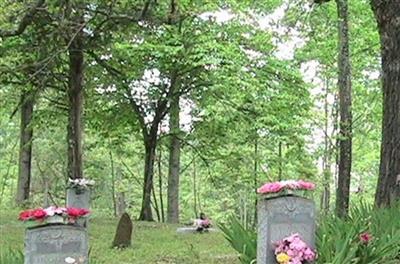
(337, 240)
(244, 241)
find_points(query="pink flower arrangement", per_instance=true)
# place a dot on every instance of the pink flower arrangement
(365, 238)
(275, 187)
(40, 214)
(205, 223)
(293, 250)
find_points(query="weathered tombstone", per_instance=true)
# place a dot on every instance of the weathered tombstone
(56, 244)
(282, 216)
(79, 198)
(123, 235)
(192, 230)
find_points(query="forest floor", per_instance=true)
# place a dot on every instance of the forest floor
(152, 243)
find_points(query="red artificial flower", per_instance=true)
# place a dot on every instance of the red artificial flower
(73, 212)
(39, 214)
(25, 215)
(83, 211)
(365, 237)
(76, 212)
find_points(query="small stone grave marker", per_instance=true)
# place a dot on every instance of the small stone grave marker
(280, 217)
(79, 198)
(123, 235)
(56, 244)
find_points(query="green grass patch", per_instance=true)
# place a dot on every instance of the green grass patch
(151, 243)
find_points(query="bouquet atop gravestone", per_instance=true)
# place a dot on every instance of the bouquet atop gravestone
(49, 214)
(81, 183)
(286, 186)
(293, 250)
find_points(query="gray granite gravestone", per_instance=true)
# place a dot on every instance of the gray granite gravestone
(282, 216)
(79, 198)
(56, 244)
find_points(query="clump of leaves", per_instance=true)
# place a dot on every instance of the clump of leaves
(244, 241)
(338, 240)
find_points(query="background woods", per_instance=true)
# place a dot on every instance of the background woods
(178, 107)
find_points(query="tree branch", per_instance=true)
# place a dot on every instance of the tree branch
(25, 22)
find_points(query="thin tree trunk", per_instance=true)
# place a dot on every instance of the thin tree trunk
(121, 204)
(25, 149)
(113, 184)
(75, 98)
(155, 204)
(174, 163)
(5, 177)
(150, 148)
(326, 163)
(344, 83)
(255, 172)
(200, 208)
(387, 14)
(160, 184)
(335, 132)
(195, 189)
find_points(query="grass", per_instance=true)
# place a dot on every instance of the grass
(151, 243)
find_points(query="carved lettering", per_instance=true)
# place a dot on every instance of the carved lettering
(53, 243)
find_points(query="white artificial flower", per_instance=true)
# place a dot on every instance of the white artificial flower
(70, 260)
(82, 182)
(49, 210)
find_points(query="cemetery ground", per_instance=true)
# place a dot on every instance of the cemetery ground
(151, 242)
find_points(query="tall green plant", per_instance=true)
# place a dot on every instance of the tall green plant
(244, 241)
(338, 240)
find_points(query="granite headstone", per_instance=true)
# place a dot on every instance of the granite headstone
(282, 216)
(56, 244)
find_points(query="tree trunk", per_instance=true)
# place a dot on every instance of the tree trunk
(120, 196)
(160, 184)
(387, 14)
(195, 189)
(174, 163)
(255, 171)
(150, 150)
(344, 83)
(8, 172)
(155, 203)
(25, 149)
(113, 196)
(75, 99)
(326, 162)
